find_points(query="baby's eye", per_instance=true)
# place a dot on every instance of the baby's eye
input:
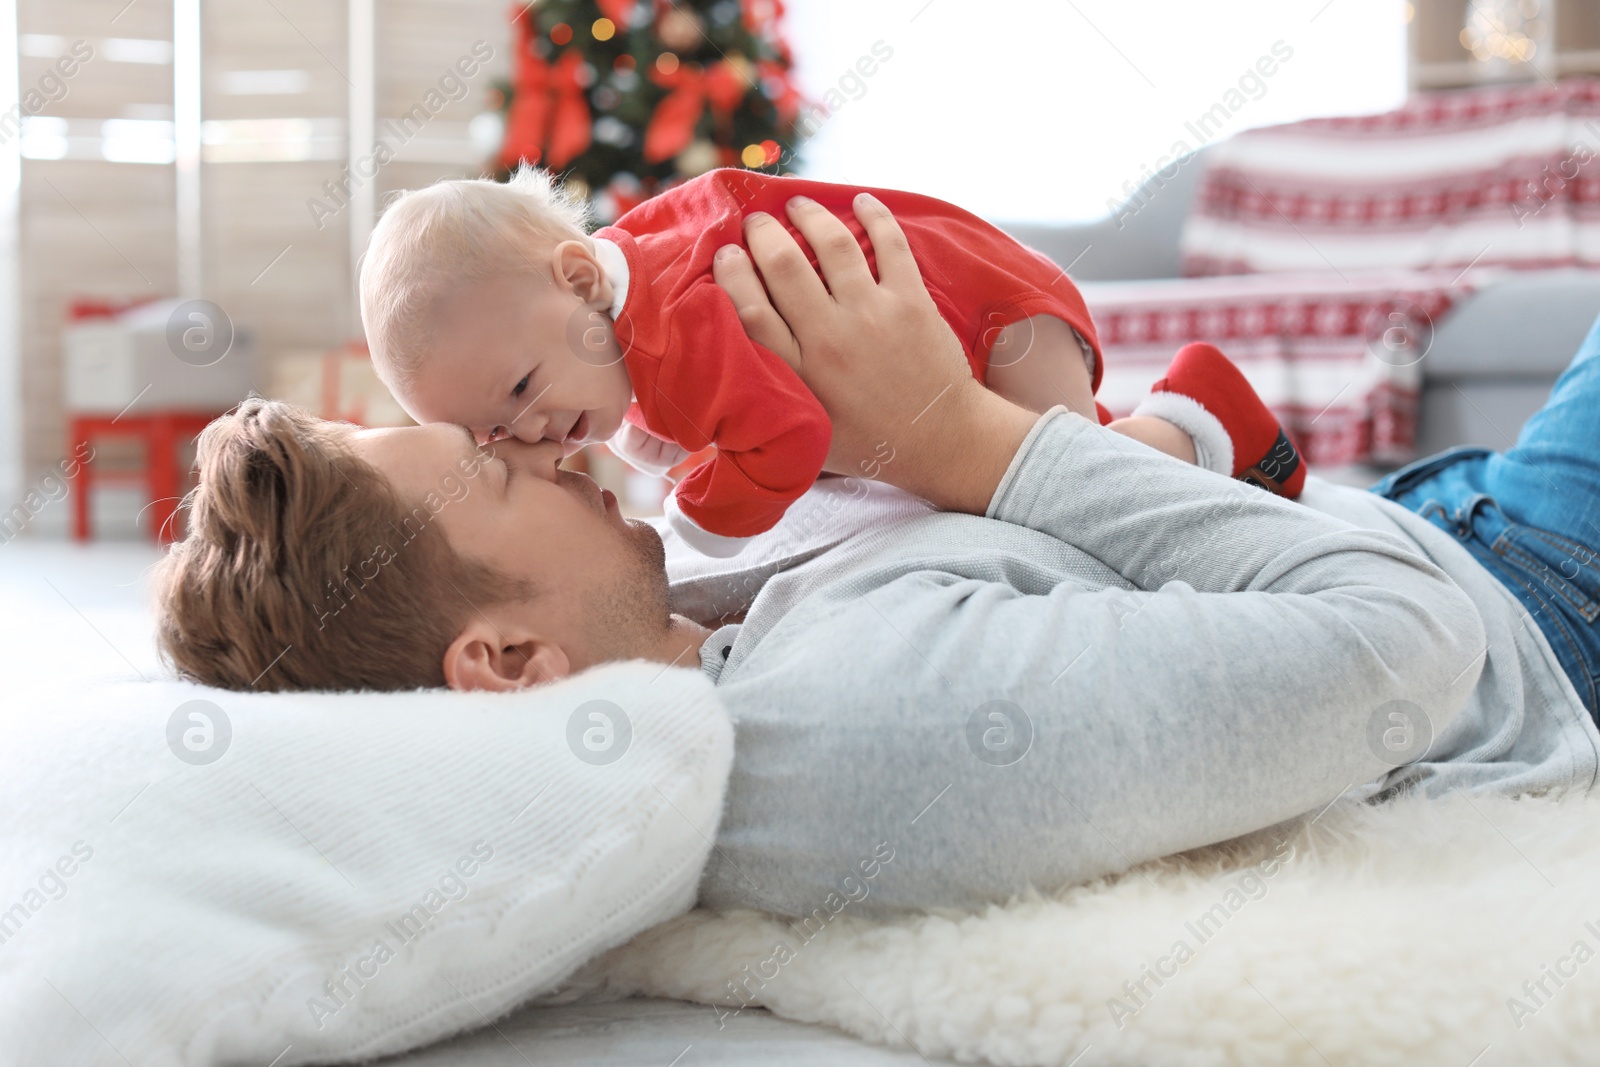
(522, 386)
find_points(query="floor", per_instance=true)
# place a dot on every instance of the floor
(106, 634)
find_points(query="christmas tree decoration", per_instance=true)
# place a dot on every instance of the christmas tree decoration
(697, 158)
(630, 97)
(672, 127)
(680, 30)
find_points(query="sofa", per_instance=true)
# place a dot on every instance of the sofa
(1493, 359)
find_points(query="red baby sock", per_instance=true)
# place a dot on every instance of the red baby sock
(1234, 433)
(1104, 414)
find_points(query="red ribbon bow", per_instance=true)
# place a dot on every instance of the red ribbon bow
(549, 118)
(672, 126)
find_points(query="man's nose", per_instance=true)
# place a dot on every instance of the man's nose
(529, 426)
(497, 432)
(541, 458)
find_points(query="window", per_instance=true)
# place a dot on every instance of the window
(1032, 111)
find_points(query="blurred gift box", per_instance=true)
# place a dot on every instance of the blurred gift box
(338, 383)
(159, 355)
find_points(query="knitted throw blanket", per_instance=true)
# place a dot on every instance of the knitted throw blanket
(1501, 176)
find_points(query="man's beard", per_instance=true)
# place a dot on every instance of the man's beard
(630, 614)
(653, 556)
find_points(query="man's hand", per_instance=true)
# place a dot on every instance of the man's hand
(885, 366)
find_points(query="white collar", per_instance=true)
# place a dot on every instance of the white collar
(615, 266)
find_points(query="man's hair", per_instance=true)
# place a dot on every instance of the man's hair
(454, 231)
(303, 569)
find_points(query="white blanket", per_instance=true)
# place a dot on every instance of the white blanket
(1449, 932)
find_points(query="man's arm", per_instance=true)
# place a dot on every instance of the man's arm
(1010, 712)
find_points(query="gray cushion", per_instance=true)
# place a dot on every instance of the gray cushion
(1482, 412)
(1527, 324)
(1140, 241)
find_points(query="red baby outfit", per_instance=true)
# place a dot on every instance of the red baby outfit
(698, 379)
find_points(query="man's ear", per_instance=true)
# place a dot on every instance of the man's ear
(484, 657)
(572, 264)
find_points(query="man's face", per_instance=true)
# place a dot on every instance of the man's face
(600, 580)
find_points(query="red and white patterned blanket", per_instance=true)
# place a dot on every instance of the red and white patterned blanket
(1492, 176)
(1320, 253)
(1339, 360)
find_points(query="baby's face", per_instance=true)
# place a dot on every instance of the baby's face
(519, 357)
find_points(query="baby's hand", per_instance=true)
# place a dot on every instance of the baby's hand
(644, 451)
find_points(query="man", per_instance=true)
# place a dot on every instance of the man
(1091, 656)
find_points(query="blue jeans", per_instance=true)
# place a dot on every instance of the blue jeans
(1531, 515)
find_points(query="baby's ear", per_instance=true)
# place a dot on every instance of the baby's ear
(574, 266)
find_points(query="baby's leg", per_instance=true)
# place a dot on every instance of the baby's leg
(1038, 364)
(1158, 434)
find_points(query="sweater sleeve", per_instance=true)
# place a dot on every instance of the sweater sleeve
(1236, 589)
(1179, 660)
(719, 387)
(1246, 675)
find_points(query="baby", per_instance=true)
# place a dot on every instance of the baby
(487, 304)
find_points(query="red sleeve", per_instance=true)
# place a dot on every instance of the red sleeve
(718, 386)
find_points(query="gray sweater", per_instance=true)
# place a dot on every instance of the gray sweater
(1127, 657)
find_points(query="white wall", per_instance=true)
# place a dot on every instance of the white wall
(1047, 110)
(11, 433)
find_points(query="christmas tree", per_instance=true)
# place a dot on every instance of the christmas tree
(628, 97)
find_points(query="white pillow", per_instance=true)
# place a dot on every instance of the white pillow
(351, 875)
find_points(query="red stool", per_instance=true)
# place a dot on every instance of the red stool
(162, 432)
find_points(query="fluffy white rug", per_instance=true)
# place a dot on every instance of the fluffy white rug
(1458, 931)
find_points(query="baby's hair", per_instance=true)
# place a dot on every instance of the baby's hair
(454, 231)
